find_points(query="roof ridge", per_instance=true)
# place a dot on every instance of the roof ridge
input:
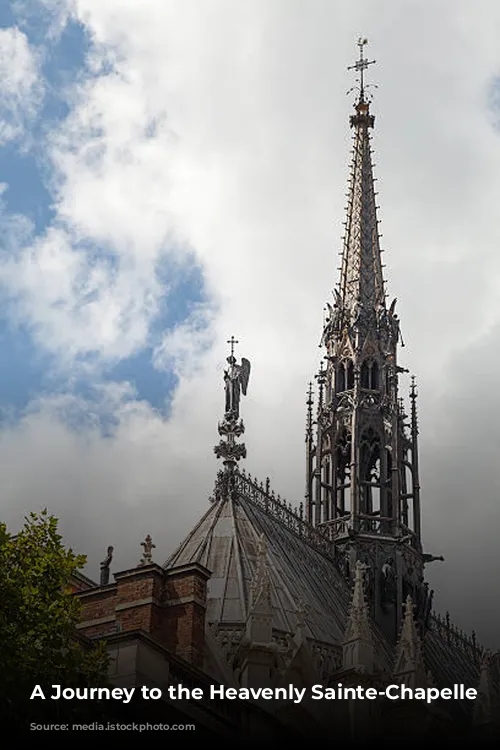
(277, 508)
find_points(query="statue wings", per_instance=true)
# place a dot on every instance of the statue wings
(244, 375)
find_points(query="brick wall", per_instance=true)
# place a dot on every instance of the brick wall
(169, 605)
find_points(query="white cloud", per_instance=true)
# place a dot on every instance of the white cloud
(21, 90)
(223, 129)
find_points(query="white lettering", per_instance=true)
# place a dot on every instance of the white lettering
(37, 693)
(128, 694)
(299, 694)
(392, 692)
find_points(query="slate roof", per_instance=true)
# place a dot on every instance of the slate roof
(304, 578)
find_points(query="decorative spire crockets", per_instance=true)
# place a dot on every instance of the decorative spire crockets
(362, 484)
(236, 379)
(361, 284)
(358, 648)
(409, 665)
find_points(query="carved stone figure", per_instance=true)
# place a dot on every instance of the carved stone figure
(236, 383)
(148, 547)
(431, 558)
(388, 581)
(105, 567)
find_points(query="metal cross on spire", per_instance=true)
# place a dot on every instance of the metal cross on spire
(232, 341)
(360, 66)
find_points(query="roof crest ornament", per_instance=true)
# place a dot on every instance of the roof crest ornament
(236, 379)
(148, 547)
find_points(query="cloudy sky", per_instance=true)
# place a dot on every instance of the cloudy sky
(175, 172)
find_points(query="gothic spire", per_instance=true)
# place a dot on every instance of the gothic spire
(409, 666)
(361, 285)
(357, 647)
(362, 484)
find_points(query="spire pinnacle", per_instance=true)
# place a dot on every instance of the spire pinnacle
(358, 642)
(236, 379)
(360, 66)
(409, 657)
(309, 404)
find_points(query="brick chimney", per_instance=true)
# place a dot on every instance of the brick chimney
(168, 605)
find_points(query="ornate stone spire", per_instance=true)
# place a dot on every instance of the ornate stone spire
(409, 665)
(361, 285)
(235, 384)
(358, 650)
(361, 459)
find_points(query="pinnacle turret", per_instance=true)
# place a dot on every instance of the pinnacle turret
(358, 648)
(409, 667)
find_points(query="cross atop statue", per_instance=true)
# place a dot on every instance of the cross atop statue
(235, 382)
(232, 341)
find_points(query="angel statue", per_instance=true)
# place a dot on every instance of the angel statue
(236, 383)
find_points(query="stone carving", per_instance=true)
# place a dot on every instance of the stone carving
(333, 320)
(230, 451)
(388, 581)
(236, 383)
(105, 567)
(148, 546)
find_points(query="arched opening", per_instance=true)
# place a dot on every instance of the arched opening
(326, 492)
(389, 504)
(343, 474)
(365, 375)
(408, 515)
(370, 477)
(350, 375)
(340, 378)
(370, 375)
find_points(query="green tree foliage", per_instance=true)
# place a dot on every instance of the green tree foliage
(38, 617)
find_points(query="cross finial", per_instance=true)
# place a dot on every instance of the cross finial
(232, 341)
(360, 66)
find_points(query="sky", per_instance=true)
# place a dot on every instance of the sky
(174, 173)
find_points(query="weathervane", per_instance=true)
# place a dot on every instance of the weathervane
(360, 66)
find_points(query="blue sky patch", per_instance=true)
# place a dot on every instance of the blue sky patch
(26, 370)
